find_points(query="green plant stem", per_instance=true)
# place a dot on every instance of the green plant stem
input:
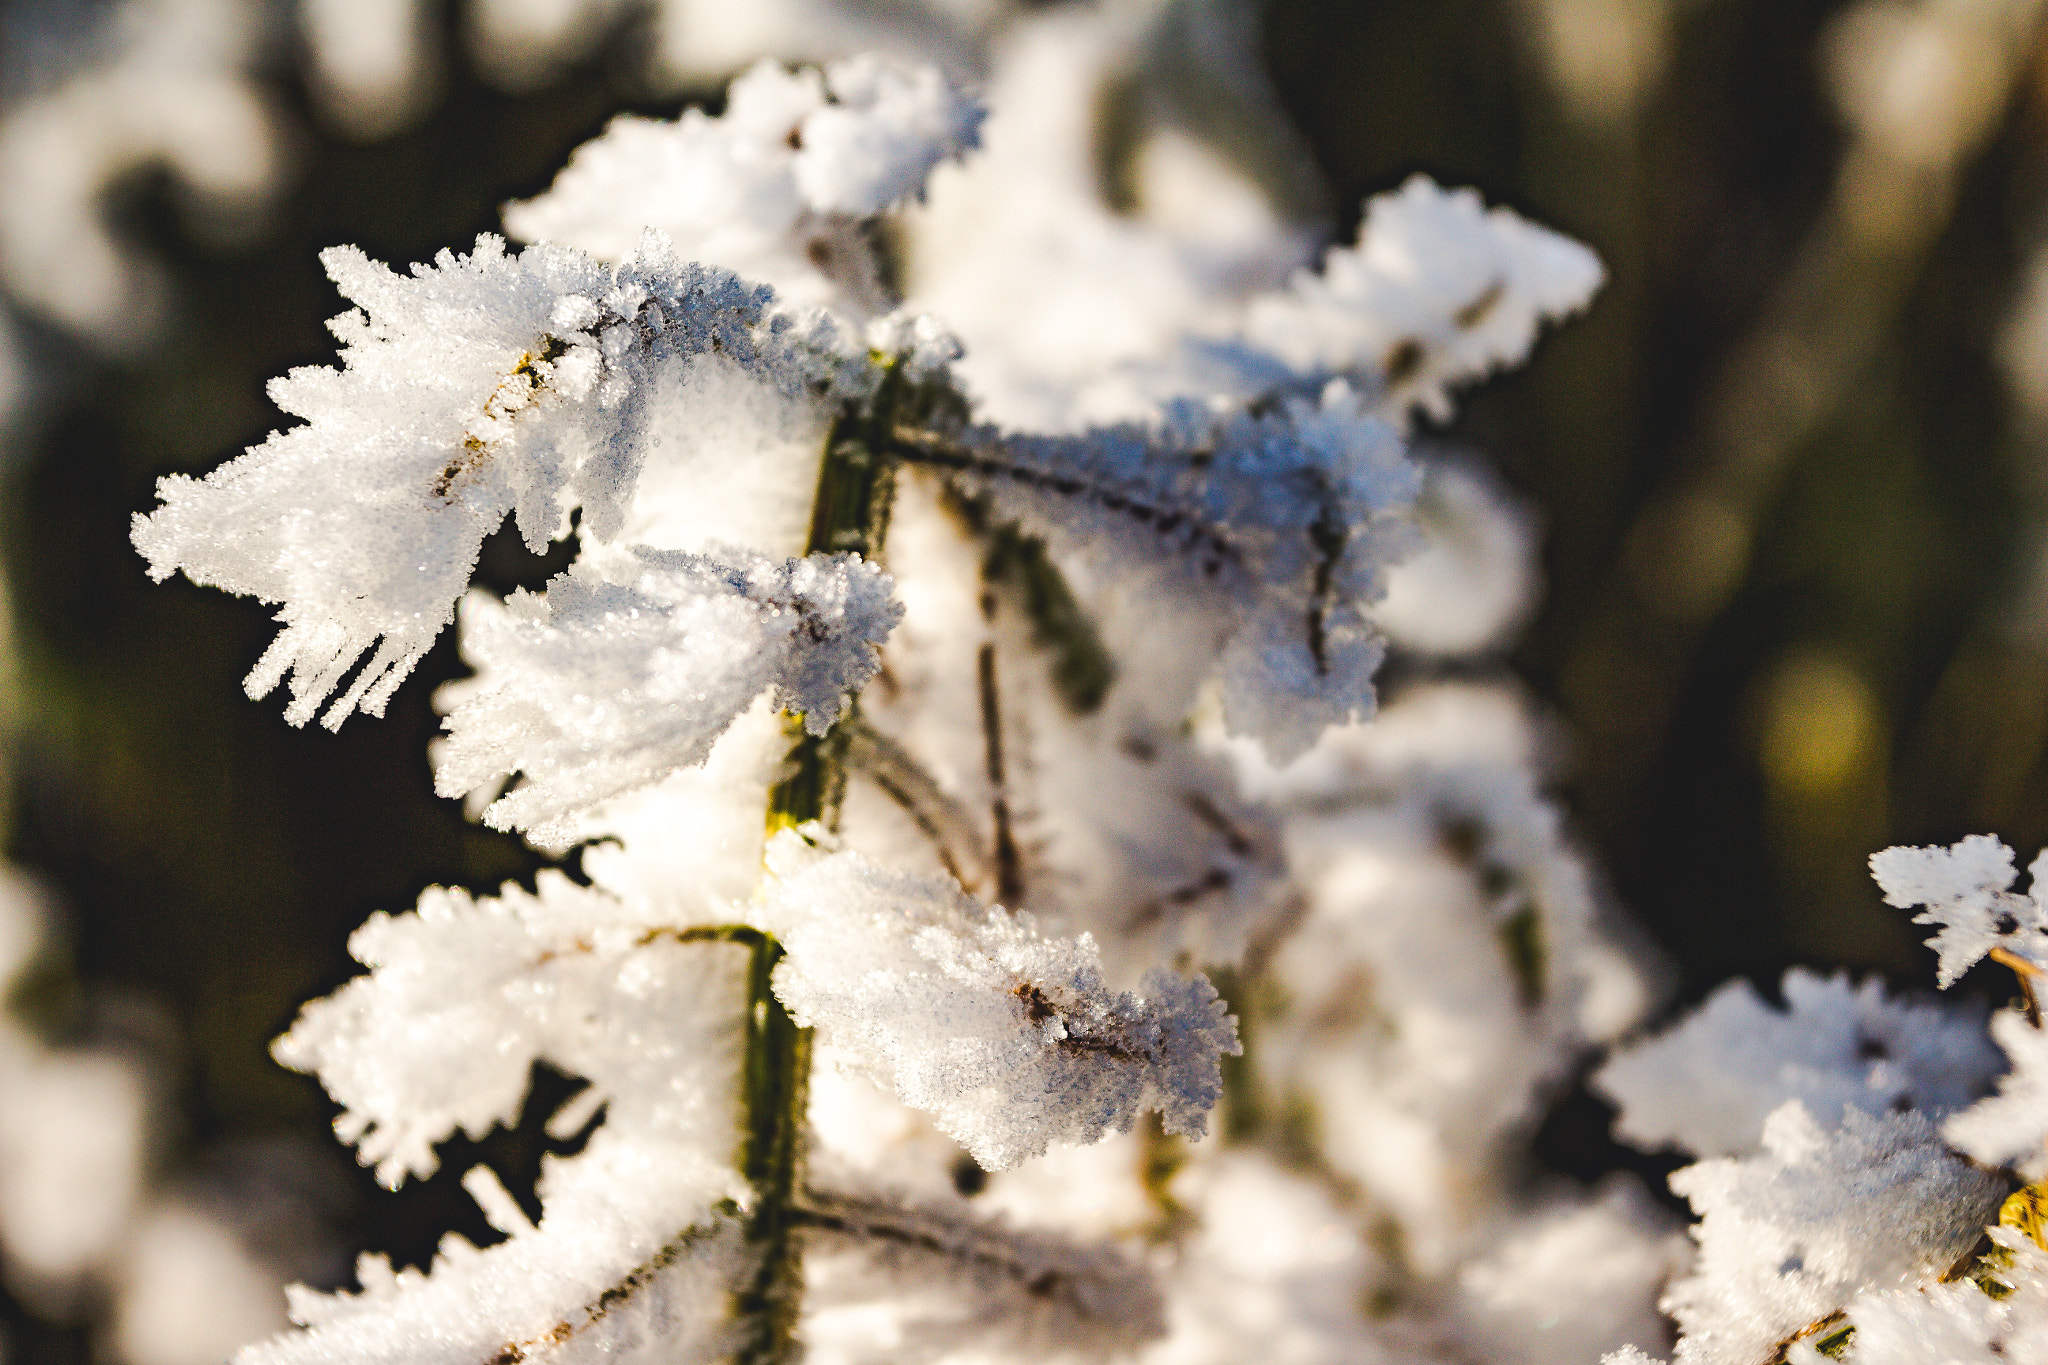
(850, 512)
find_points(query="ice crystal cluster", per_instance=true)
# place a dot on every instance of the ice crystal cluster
(1856, 1196)
(1009, 924)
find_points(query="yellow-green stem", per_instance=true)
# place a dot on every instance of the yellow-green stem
(850, 512)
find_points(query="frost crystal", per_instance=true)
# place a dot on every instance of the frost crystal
(775, 187)
(2011, 1127)
(1008, 1038)
(1790, 1236)
(634, 663)
(1707, 1085)
(633, 1261)
(465, 995)
(1276, 528)
(1439, 290)
(1959, 1322)
(474, 387)
(1965, 891)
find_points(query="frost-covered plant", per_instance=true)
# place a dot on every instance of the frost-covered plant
(1853, 1163)
(939, 738)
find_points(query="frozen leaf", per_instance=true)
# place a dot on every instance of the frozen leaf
(1008, 1038)
(1270, 531)
(464, 995)
(1964, 890)
(634, 1262)
(471, 388)
(635, 662)
(1708, 1084)
(1791, 1236)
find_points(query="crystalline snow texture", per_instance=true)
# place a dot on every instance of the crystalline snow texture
(633, 1259)
(1008, 1038)
(1964, 890)
(1958, 1323)
(470, 388)
(1792, 1235)
(1708, 1084)
(633, 664)
(465, 995)
(632, 1264)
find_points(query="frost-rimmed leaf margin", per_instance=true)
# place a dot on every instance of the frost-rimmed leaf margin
(476, 387)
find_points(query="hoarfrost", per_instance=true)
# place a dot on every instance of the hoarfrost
(634, 663)
(633, 1261)
(465, 995)
(472, 388)
(1790, 1236)
(1269, 531)
(1965, 891)
(1008, 1038)
(1959, 1323)
(1707, 1085)
(2011, 1127)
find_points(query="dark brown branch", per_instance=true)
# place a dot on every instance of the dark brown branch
(918, 446)
(900, 777)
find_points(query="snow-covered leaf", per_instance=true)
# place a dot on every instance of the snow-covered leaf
(1708, 1084)
(471, 388)
(635, 662)
(1006, 1036)
(1822, 1215)
(1965, 891)
(464, 995)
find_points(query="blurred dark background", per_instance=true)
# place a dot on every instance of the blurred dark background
(1792, 504)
